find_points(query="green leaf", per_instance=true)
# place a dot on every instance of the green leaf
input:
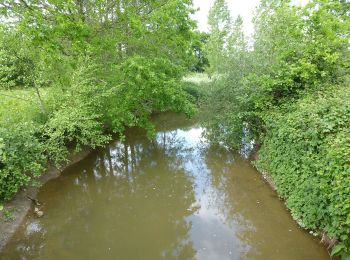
(337, 249)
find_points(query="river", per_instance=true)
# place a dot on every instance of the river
(173, 197)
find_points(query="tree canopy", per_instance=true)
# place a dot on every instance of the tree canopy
(79, 70)
(288, 94)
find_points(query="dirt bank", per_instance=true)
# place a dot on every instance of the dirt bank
(21, 204)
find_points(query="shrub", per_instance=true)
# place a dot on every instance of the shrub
(21, 158)
(307, 152)
(76, 126)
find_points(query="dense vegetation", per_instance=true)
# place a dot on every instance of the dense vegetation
(289, 93)
(73, 72)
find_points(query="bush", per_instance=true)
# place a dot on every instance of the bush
(307, 152)
(76, 127)
(21, 158)
(28, 138)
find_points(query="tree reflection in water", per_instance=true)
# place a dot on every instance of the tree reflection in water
(173, 197)
(129, 200)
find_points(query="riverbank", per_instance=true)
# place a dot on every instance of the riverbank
(17, 208)
(266, 176)
(22, 204)
(176, 193)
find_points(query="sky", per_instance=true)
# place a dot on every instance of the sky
(245, 8)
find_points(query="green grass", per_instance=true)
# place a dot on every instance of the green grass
(197, 85)
(197, 78)
(18, 106)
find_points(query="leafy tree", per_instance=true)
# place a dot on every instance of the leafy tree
(226, 121)
(219, 21)
(289, 95)
(95, 66)
(199, 52)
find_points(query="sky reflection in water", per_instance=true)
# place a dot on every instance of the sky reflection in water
(174, 197)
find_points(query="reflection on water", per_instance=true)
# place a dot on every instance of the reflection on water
(174, 197)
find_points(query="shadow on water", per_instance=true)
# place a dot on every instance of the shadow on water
(173, 197)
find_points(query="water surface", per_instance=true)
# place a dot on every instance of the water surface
(173, 197)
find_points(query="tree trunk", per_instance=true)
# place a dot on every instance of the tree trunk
(42, 105)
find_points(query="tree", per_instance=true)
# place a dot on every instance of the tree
(289, 96)
(219, 21)
(199, 51)
(96, 67)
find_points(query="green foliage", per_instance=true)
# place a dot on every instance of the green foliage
(147, 85)
(73, 71)
(21, 157)
(199, 52)
(290, 95)
(197, 85)
(228, 105)
(194, 91)
(341, 250)
(75, 115)
(15, 66)
(219, 21)
(295, 52)
(67, 127)
(18, 106)
(307, 152)
(8, 215)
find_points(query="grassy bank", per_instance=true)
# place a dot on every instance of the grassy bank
(71, 74)
(81, 116)
(18, 105)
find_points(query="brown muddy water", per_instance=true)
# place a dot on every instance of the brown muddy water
(174, 197)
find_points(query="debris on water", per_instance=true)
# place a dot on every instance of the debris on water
(313, 233)
(35, 201)
(38, 212)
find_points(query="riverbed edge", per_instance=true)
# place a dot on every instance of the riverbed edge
(266, 176)
(20, 204)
